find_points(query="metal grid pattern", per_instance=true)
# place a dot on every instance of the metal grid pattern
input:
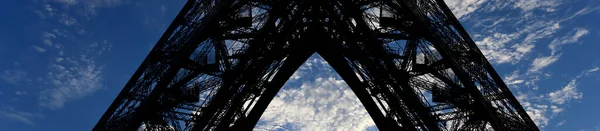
(410, 62)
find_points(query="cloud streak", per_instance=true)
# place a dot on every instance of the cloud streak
(39, 49)
(567, 93)
(570, 92)
(554, 46)
(90, 7)
(542, 62)
(543, 107)
(510, 31)
(12, 114)
(462, 8)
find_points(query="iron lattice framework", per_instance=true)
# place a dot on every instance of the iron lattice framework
(221, 62)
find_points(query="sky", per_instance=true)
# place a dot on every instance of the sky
(62, 63)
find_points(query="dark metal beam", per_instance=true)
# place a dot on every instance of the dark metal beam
(159, 93)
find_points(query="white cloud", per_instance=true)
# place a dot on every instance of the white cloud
(537, 112)
(561, 123)
(14, 76)
(546, 106)
(514, 34)
(508, 46)
(313, 67)
(572, 38)
(71, 79)
(556, 109)
(67, 20)
(38, 49)
(297, 75)
(69, 2)
(90, 7)
(500, 45)
(20, 92)
(322, 104)
(462, 8)
(587, 72)
(49, 9)
(542, 62)
(48, 39)
(513, 79)
(12, 114)
(91, 2)
(496, 48)
(569, 92)
(72, 74)
(527, 5)
(59, 59)
(73, 71)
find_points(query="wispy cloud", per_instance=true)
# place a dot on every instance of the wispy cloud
(67, 20)
(537, 112)
(542, 107)
(90, 7)
(511, 46)
(567, 93)
(554, 46)
(570, 92)
(315, 99)
(13, 76)
(510, 31)
(561, 123)
(38, 49)
(513, 79)
(322, 104)
(497, 49)
(314, 67)
(462, 8)
(527, 5)
(81, 78)
(542, 62)
(511, 36)
(587, 72)
(573, 37)
(73, 72)
(20, 92)
(12, 114)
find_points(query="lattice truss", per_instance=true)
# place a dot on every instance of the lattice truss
(409, 62)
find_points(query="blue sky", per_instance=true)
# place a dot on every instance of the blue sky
(62, 62)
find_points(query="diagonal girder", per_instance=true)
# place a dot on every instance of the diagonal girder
(221, 62)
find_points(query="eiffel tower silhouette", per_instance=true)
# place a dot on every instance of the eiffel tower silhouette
(410, 63)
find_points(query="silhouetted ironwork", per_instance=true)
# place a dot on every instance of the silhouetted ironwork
(221, 62)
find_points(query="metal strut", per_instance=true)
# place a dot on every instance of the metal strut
(410, 63)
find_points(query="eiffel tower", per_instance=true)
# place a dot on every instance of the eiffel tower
(410, 63)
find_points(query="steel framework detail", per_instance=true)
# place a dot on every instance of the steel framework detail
(221, 62)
